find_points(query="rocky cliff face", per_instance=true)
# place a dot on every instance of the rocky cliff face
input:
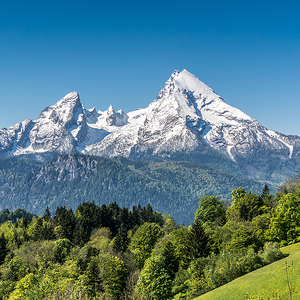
(58, 129)
(15, 138)
(187, 121)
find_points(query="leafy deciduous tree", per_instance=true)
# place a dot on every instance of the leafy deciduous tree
(211, 210)
(143, 241)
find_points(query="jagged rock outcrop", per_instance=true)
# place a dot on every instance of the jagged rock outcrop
(111, 118)
(187, 121)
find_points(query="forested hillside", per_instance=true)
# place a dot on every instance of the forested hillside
(13, 168)
(104, 252)
(170, 187)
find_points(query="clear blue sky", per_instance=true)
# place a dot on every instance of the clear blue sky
(122, 52)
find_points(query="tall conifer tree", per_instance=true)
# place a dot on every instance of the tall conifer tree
(197, 243)
(121, 240)
(3, 248)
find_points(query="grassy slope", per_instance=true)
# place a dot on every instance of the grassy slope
(269, 279)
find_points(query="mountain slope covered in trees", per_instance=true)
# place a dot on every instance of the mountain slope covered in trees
(13, 168)
(70, 179)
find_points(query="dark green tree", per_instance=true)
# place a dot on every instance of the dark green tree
(82, 232)
(135, 216)
(170, 261)
(267, 198)
(85, 259)
(38, 230)
(25, 223)
(90, 216)
(65, 219)
(265, 191)
(197, 244)
(3, 248)
(121, 240)
(47, 215)
(93, 280)
(62, 249)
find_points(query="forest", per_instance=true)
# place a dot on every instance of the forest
(70, 179)
(113, 252)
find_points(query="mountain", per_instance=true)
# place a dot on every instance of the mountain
(13, 168)
(70, 179)
(187, 121)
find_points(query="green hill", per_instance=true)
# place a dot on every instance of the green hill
(265, 281)
(169, 187)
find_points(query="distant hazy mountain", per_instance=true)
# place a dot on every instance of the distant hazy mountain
(187, 121)
(70, 179)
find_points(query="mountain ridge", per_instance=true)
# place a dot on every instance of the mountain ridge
(186, 121)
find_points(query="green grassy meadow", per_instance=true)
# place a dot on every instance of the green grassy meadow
(265, 281)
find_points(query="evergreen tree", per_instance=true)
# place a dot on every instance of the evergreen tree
(171, 262)
(121, 240)
(135, 217)
(25, 223)
(265, 191)
(64, 219)
(89, 217)
(3, 248)
(93, 280)
(144, 215)
(58, 212)
(105, 218)
(81, 232)
(149, 214)
(47, 215)
(83, 261)
(267, 198)
(197, 243)
(37, 233)
(68, 224)
(114, 277)
(124, 219)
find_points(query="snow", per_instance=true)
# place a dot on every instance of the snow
(185, 114)
(229, 152)
(279, 138)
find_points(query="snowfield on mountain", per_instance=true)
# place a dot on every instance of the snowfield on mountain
(187, 121)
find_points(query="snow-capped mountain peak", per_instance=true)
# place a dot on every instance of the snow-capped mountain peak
(187, 117)
(63, 111)
(185, 80)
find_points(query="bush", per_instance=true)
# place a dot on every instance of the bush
(271, 253)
